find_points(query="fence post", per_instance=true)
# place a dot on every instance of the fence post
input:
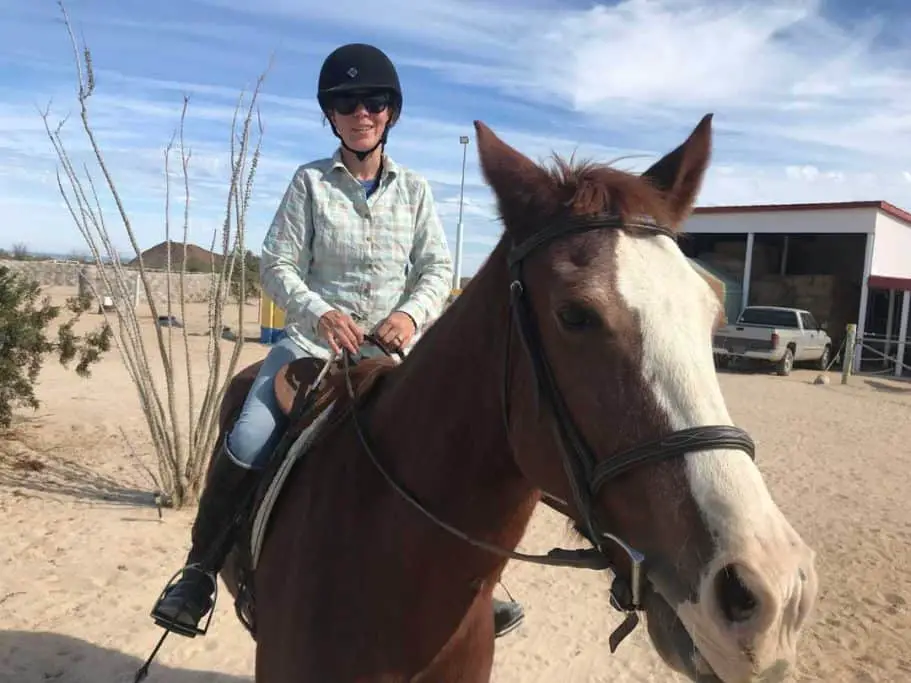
(848, 361)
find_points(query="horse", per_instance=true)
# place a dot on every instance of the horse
(575, 369)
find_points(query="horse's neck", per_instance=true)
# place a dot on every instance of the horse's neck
(441, 419)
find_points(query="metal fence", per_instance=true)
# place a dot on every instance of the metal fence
(883, 355)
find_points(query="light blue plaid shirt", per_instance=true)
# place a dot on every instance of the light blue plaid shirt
(332, 247)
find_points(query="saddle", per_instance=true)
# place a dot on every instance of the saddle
(314, 396)
(304, 387)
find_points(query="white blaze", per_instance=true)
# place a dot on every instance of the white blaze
(676, 309)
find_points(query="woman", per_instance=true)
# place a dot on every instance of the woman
(355, 245)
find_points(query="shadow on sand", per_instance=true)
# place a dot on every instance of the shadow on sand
(65, 477)
(40, 657)
(887, 387)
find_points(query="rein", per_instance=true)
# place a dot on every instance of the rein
(581, 559)
(586, 473)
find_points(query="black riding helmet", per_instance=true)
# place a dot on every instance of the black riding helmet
(359, 67)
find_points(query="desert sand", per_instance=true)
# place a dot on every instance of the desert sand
(85, 552)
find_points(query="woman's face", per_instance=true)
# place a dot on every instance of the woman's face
(361, 118)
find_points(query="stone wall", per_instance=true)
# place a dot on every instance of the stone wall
(67, 274)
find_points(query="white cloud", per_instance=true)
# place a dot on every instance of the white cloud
(776, 72)
(806, 109)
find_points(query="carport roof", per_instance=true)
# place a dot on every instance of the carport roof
(885, 207)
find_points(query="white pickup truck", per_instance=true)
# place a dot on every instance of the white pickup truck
(773, 334)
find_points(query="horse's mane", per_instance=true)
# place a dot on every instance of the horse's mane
(588, 187)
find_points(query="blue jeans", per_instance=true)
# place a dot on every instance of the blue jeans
(260, 424)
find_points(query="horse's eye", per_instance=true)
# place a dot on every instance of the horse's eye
(577, 318)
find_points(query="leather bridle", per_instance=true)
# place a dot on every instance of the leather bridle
(585, 473)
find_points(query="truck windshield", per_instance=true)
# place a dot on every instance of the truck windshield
(767, 316)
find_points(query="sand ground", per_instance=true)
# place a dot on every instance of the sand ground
(84, 551)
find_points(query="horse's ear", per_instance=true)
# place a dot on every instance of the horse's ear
(679, 174)
(523, 189)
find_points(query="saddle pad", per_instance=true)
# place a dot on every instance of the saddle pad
(264, 511)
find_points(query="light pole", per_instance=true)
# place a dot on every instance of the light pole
(457, 270)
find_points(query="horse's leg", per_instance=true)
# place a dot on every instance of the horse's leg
(468, 656)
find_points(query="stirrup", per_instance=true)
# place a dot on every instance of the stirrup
(183, 629)
(517, 617)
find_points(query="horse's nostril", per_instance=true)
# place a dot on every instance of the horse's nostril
(738, 603)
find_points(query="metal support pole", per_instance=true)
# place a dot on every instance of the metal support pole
(864, 296)
(890, 323)
(460, 231)
(903, 333)
(747, 271)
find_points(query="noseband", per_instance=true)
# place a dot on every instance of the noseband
(585, 473)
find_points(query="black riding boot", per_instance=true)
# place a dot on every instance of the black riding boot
(186, 602)
(506, 616)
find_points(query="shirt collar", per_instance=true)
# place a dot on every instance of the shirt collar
(390, 168)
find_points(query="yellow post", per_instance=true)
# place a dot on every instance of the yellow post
(265, 319)
(278, 323)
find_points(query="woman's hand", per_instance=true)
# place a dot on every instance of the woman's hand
(341, 332)
(396, 331)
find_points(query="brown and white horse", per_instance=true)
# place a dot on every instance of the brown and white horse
(578, 363)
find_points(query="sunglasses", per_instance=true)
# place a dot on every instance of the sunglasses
(374, 103)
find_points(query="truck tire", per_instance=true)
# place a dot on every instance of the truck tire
(824, 358)
(786, 364)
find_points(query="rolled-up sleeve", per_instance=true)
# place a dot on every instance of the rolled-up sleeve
(286, 256)
(432, 263)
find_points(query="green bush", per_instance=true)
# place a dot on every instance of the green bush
(24, 320)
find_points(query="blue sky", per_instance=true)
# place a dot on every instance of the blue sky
(812, 100)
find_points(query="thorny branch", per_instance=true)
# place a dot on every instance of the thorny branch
(182, 449)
